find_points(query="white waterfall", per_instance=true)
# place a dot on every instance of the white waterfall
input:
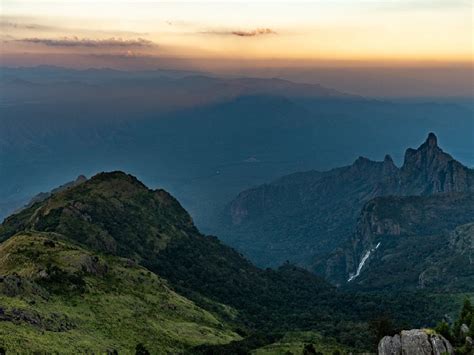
(362, 262)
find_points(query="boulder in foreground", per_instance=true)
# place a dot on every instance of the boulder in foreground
(415, 342)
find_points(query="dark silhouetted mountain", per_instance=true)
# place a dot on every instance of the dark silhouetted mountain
(429, 170)
(303, 216)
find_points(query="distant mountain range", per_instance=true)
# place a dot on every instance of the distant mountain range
(305, 216)
(203, 138)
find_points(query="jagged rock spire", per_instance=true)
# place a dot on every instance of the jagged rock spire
(426, 154)
(428, 170)
(432, 140)
(388, 159)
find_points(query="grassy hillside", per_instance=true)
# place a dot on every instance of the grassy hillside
(289, 343)
(57, 297)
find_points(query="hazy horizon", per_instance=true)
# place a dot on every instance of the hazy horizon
(373, 48)
(377, 81)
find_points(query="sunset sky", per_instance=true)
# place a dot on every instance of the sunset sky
(370, 47)
(82, 32)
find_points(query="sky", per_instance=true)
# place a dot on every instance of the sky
(229, 34)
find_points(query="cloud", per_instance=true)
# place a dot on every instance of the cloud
(256, 32)
(239, 33)
(90, 43)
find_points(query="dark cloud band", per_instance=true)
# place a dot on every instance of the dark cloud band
(251, 33)
(256, 32)
(89, 43)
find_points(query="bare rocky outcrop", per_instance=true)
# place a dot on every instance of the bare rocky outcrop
(415, 342)
(428, 170)
(390, 345)
(54, 322)
(439, 227)
(14, 285)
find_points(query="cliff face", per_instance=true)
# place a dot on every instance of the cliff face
(409, 242)
(462, 241)
(445, 188)
(305, 214)
(302, 217)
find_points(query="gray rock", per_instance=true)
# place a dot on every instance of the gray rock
(461, 241)
(464, 329)
(415, 342)
(469, 343)
(14, 286)
(440, 345)
(390, 345)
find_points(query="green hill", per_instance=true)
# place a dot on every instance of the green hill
(58, 297)
(114, 213)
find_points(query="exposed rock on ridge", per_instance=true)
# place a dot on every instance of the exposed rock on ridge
(429, 170)
(415, 342)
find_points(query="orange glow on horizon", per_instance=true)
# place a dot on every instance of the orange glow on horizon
(399, 32)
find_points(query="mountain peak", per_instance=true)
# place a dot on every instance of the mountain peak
(388, 159)
(110, 179)
(389, 166)
(363, 162)
(81, 178)
(112, 212)
(112, 175)
(429, 169)
(429, 151)
(431, 141)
